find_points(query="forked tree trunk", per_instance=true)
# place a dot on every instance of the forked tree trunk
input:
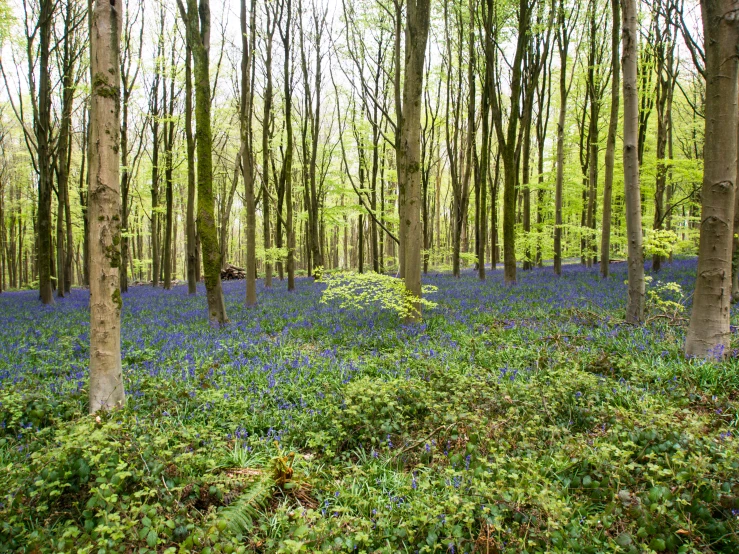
(709, 331)
(605, 240)
(635, 303)
(416, 36)
(106, 380)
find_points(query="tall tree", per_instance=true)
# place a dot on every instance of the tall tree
(605, 241)
(709, 331)
(488, 53)
(416, 36)
(193, 260)
(535, 61)
(130, 51)
(664, 54)
(266, 136)
(509, 137)
(106, 379)
(44, 147)
(197, 24)
(597, 84)
(168, 139)
(312, 121)
(68, 57)
(458, 154)
(635, 303)
(566, 25)
(286, 177)
(154, 120)
(247, 153)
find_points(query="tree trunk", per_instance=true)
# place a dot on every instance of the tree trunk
(593, 134)
(2, 237)
(154, 113)
(635, 303)
(247, 154)
(416, 36)
(398, 92)
(43, 138)
(198, 36)
(59, 236)
(266, 133)
(735, 242)
(83, 188)
(709, 331)
(169, 128)
(563, 41)
(106, 379)
(665, 83)
(605, 240)
(526, 191)
(287, 176)
(192, 248)
(128, 81)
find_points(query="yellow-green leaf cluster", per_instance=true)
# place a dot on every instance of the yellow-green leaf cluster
(360, 290)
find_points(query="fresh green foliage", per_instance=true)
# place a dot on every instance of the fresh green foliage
(665, 298)
(6, 21)
(660, 241)
(358, 290)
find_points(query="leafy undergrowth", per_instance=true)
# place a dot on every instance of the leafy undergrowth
(514, 419)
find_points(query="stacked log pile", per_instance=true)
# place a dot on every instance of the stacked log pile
(232, 273)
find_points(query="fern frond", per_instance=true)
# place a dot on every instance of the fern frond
(240, 514)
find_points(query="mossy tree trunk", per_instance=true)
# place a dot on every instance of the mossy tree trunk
(197, 23)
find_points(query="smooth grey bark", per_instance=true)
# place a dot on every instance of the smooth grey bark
(106, 379)
(416, 36)
(709, 331)
(632, 190)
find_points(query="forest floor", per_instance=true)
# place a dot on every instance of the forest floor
(514, 419)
